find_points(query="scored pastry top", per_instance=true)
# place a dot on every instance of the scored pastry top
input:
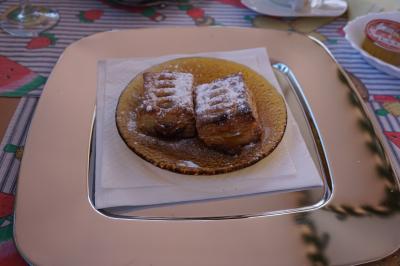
(164, 91)
(222, 99)
(166, 108)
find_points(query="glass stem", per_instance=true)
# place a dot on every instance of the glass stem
(26, 11)
(24, 3)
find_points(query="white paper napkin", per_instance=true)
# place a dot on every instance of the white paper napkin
(124, 179)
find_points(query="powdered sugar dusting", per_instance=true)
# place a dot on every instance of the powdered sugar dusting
(167, 90)
(131, 122)
(222, 98)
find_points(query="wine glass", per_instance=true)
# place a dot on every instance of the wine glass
(28, 20)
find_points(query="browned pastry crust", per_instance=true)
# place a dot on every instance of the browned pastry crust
(226, 116)
(166, 109)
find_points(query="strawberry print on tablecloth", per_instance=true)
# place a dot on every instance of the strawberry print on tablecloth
(17, 80)
(197, 14)
(151, 13)
(390, 105)
(90, 16)
(340, 31)
(44, 40)
(387, 108)
(393, 137)
(18, 151)
(8, 252)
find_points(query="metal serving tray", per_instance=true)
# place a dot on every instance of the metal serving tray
(262, 204)
(56, 224)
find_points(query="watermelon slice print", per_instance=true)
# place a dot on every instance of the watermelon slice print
(9, 254)
(16, 80)
(6, 229)
(6, 204)
(385, 98)
(393, 137)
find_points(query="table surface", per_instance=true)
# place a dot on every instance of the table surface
(82, 18)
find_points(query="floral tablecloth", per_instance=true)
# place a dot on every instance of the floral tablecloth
(25, 63)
